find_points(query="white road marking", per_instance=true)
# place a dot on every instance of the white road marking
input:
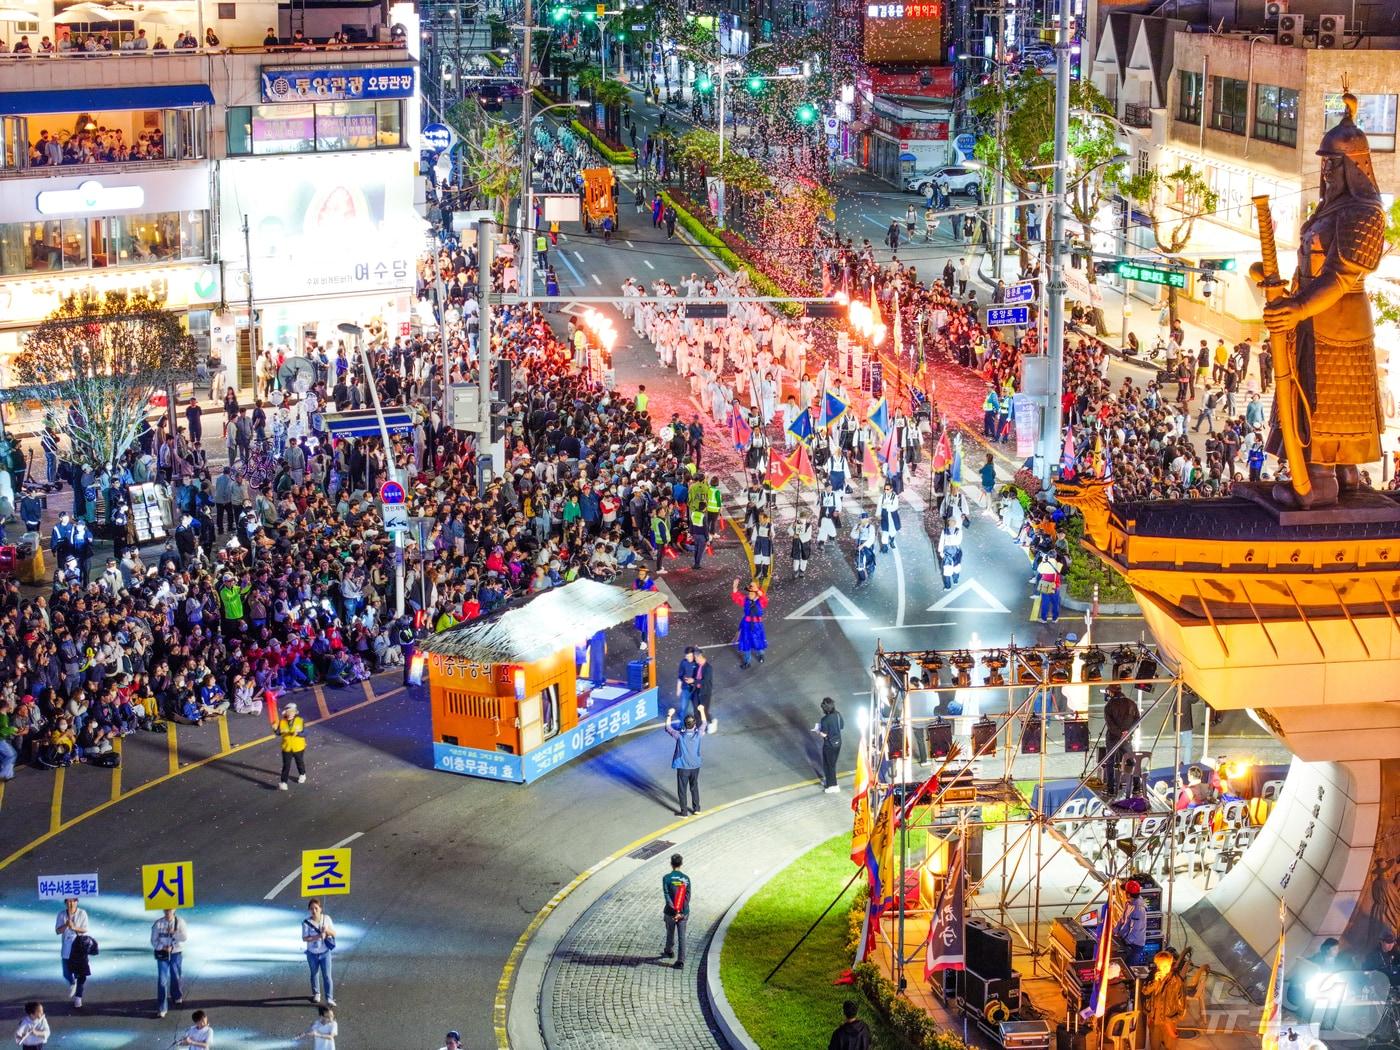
(648, 264)
(899, 589)
(595, 280)
(989, 601)
(836, 597)
(297, 870)
(677, 606)
(629, 244)
(578, 255)
(908, 626)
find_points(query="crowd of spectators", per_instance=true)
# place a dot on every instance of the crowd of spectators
(276, 586)
(96, 145)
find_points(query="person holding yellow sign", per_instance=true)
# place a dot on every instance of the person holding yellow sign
(292, 731)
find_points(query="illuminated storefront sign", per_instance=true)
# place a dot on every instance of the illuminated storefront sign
(90, 197)
(316, 84)
(26, 301)
(927, 10)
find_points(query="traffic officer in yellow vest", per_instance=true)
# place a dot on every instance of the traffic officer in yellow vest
(292, 731)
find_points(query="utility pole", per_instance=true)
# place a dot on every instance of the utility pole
(485, 253)
(719, 186)
(999, 183)
(248, 285)
(1055, 343)
(527, 173)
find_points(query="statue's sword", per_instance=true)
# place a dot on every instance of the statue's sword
(1285, 355)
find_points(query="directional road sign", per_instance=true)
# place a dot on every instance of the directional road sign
(1151, 274)
(1020, 293)
(1001, 316)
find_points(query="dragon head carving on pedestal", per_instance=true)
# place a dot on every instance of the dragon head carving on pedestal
(1088, 495)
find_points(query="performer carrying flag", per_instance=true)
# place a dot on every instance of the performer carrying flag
(739, 429)
(801, 464)
(801, 427)
(832, 409)
(879, 416)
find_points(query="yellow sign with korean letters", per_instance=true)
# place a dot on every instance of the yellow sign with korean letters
(325, 872)
(168, 885)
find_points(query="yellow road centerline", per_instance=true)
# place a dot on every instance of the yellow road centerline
(172, 747)
(223, 735)
(58, 826)
(56, 805)
(320, 695)
(117, 769)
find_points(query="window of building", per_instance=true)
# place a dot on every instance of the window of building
(86, 244)
(1229, 106)
(1144, 164)
(72, 140)
(228, 12)
(1375, 115)
(1188, 102)
(322, 127)
(1276, 114)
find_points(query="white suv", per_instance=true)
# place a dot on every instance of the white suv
(951, 180)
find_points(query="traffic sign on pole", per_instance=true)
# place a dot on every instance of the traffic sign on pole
(438, 136)
(1020, 293)
(391, 492)
(1151, 274)
(1002, 316)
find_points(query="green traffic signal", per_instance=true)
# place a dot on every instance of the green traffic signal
(560, 14)
(806, 113)
(755, 84)
(704, 84)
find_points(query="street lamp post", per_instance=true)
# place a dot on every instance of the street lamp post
(390, 466)
(1054, 415)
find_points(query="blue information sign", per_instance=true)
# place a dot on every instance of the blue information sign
(1020, 293)
(336, 84)
(1001, 316)
(437, 136)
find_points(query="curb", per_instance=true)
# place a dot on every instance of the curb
(518, 1019)
(723, 1013)
(1105, 608)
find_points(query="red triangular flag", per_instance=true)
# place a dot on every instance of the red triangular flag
(801, 464)
(780, 471)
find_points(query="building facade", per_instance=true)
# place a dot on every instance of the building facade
(243, 180)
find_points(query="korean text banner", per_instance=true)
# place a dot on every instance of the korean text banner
(338, 84)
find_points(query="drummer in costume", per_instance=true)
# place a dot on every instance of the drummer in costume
(752, 640)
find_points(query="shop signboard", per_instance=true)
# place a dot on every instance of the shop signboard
(25, 301)
(336, 84)
(929, 82)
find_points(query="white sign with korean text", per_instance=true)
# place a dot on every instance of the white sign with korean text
(59, 887)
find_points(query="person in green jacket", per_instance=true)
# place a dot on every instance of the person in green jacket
(231, 595)
(713, 508)
(699, 507)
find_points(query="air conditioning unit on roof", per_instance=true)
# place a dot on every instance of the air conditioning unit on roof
(1290, 31)
(1274, 9)
(1331, 32)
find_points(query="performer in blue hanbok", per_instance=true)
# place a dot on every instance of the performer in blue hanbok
(752, 640)
(643, 582)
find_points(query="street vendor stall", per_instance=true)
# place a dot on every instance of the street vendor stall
(518, 693)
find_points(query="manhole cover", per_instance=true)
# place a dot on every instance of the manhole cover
(651, 849)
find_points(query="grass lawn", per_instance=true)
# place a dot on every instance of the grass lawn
(798, 1009)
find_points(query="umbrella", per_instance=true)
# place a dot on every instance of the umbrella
(152, 15)
(14, 14)
(83, 12)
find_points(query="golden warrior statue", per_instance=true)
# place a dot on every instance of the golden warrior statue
(1328, 416)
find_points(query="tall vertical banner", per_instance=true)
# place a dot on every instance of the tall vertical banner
(1273, 998)
(946, 945)
(1027, 414)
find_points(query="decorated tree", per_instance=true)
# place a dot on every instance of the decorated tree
(492, 153)
(1173, 202)
(103, 358)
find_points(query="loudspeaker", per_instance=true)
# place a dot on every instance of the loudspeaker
(940, 738)
(984, 734)
(978, 991)
(1030, 735)
(988, 949)
(1076, 735)
(503, 379)
(896, 740)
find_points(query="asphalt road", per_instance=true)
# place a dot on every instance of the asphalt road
(447, 871)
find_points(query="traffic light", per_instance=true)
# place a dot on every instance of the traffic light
(559, 14)
(1227, 265)
(755, 84)
(806, 113)
(704, 83)
(589, 16)
(499, 414)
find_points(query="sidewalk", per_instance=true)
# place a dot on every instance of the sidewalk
(593, 977)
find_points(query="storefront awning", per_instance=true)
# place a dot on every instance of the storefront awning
(97, 100)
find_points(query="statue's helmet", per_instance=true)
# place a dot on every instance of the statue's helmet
(1348, 141)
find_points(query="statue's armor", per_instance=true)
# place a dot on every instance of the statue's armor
(1341, 423)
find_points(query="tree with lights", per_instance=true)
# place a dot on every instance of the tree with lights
(1173, 202)
(104, 358)
(492, 153)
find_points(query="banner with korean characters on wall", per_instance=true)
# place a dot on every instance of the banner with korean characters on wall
(315, 84)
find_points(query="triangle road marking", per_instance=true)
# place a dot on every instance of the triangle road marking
(989, 601)
(836, 598)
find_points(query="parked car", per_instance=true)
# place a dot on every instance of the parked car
(951, 180)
